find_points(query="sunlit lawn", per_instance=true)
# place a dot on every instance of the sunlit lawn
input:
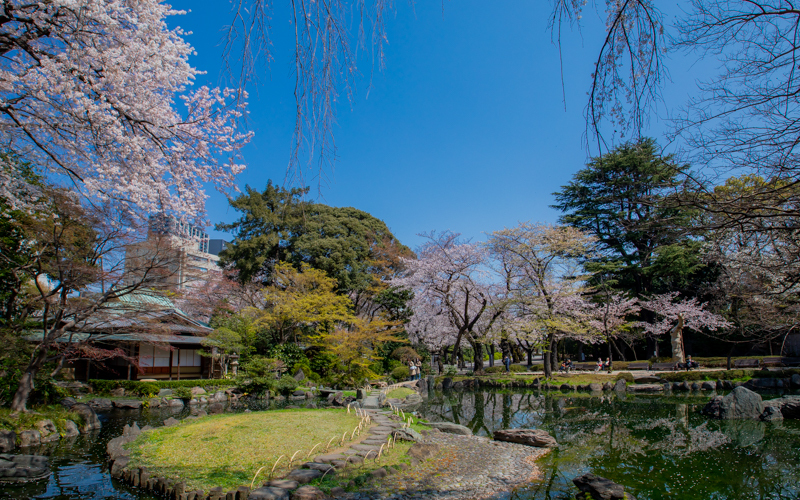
(228, 450)
(400, 392)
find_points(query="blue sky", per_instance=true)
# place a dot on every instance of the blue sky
(465, 129)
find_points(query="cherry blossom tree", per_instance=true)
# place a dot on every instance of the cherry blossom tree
(453, 276)
(96, 92)
(547, 282)
(669, 308)
(615, 318)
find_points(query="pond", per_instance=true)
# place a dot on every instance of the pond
(658, 447)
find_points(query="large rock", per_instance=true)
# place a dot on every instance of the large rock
(30, 438)
(741, 403)
(708, 386)
(118, 392)
(600, 488)
(101, 404)
(299, 375)
(620, 385)
(529, 437)
(450, 427)
(407, 435)
(90, 420)
(8, 440)
(68, 402)
(646, 388)
(128, 404)
(162, 393)
(595, 387)
(215, 408)
(787, 407)
(795, 380)
(14, 468)
(447, 384)
(198, 391)
(47, 431)
(71, 429)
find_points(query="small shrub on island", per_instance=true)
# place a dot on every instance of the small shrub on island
(401, 373)
(286, 385)
(182, 393)
(628, 377)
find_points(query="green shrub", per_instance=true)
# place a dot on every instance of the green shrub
(182, 393)
(145, 389)
(260, 367)
(518, 368)
(133, 386)
(401, 373)
(450, 370)
(257, 386)
(286, 385)
(307, 371)
(683, 376)
(625, 376)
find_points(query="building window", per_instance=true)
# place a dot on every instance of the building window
(189, 357)
(150, 355)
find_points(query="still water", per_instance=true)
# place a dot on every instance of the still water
(658, 447)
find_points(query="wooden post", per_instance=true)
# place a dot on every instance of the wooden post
(179, 363)
(170, 364)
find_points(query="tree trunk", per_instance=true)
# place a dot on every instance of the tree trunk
(580, 351)
(548, 356)
(530, 356)
(619, 353)
(553, 354)
(439, 359)
(491, 355)
(477, 365)
(20, 401)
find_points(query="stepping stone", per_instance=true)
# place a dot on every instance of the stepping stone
(269, 493)
(376, 430)
(283, 484)
(303, 476)
(339, 464)
(318, 466)
(374, 442)
(365, 447)
(364, 453)
(349, 452)
(355, 459)
(328, 458)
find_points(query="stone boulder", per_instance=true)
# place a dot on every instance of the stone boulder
(620, 385)
(447, 384)
(299, 375)
(162, 393)
(529, 437)
(607, 386)
(8, 441)
(71, 429)
(407, 435)
(303, 476)
(173, 403)
(118, 392)
(741, 403)
(795, 380)
(90, 420)
(101, 404)
(30, 438)
(68, 402)
(171, 421)
(646, 379)
(154, 403)
(23, 468)
(47, 431)
(198, 391)
(787, 407)
(708, 386)
(450, 427)
(595, 387)
(128, 404)
(600, 488)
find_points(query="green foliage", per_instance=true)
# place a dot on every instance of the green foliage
(182, 393)
(135, 386)
(27, 421)
(145, 389)
(307, 371)
(401, 373)
(286, 385)
(257, 386)
(405, 354)
(289, 353)
(627, 377)
(450, 370)
(260, 367)
(277, 225)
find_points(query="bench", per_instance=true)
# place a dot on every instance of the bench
(746, 363)
(660, 367)
(772, 361)
(641, 365)
(584, 367)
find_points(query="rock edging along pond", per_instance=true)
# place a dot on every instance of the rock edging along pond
(379, 439)
(620, 384)
(46, 431)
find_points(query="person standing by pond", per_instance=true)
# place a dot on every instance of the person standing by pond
(412, 370)
(507, 363)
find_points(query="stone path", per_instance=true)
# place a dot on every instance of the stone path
(466, 467)
(372, 401)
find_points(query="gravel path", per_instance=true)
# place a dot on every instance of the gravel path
(466, 467)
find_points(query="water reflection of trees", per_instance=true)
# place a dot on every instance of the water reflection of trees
(659, 447)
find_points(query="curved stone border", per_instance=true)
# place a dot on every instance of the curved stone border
(46, 431)
(290, 486)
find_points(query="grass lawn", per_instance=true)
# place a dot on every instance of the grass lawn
(400, 392)
(228, 450)
(27, 421)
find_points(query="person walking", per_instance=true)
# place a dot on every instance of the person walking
(507, 363)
